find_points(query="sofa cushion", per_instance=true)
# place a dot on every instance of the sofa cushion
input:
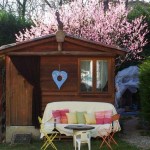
(107, 116)
(56, 115)
(99, 115)
(60, 115)
(63, 115)
(90, 118)
(72, 118)
(81, 117)
(64, 120)
(63, 112)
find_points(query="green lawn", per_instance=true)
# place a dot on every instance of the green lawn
(67, 145)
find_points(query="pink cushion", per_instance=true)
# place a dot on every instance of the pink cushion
(58, 120)
(63, 115)
(99, 117)
(99, 120)
(56, 113)
(63, 112)
(64, 120)
(107, 116)
(60, 115)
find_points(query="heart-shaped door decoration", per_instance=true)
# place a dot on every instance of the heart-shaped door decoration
(59, 77)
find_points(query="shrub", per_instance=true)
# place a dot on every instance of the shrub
(144, 88)
(9, 26)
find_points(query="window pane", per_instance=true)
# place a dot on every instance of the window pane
(102, 75)
(86, 67)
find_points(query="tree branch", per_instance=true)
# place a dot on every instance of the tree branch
(19, 3)
(48, 3)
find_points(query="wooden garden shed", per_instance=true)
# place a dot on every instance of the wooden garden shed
(46, 69)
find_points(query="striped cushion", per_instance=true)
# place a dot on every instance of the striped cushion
(107, 116)
(90, 118)
(72, 118)
(56, 115)
(60, 115)
(63, 115)
(99, 117)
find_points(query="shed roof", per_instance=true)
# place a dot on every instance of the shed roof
(9, 48)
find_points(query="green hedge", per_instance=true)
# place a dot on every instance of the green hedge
(144, 88)
(9, 26)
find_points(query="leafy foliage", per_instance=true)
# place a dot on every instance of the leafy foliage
(144, 88)
(142, 9)
(9, 26)
(138, 9)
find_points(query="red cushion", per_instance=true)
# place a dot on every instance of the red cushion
(63, 112)
(107, 116)
(60, 115)
(99, 117)
(56, 113)
(63, 115)
(64, 120)
(107, 120)
(99, 120)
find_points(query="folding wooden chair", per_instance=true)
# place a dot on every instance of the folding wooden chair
(105, 134)
(115, 126)
(48, 138)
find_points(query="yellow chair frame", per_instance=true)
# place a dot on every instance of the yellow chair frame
(48, 138)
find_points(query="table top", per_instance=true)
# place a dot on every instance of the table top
(79, 127)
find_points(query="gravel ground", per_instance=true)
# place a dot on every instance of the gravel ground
(132, 135)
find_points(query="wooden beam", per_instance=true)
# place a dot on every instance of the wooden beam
(75, 53)
(25, 44)
(95, 45)
(8, 92)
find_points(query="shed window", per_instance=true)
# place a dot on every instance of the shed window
(101, 75)
(86, 75)
(93, 76)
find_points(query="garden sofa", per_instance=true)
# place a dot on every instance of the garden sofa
(76, 106)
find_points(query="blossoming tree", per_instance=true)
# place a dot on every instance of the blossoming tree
(88, 20)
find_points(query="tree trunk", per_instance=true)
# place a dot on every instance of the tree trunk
(106, 5)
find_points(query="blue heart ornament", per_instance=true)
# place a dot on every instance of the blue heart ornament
(59, 77)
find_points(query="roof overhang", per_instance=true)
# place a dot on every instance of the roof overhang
(12, 48)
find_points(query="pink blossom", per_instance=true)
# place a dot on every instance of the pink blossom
(91, 22)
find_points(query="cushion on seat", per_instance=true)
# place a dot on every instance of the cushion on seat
(72, 118)
(99, 115)
(63, 112)
(56, 115)
(108, 116)
(81, 117)
(90, 118)
(63, 115)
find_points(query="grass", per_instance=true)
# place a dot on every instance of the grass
(68, 145)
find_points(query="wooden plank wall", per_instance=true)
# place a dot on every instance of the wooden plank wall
(50, 92)
(69, 90)
(19, 91)
(18, 97)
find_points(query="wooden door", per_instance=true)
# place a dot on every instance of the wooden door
(18, 97)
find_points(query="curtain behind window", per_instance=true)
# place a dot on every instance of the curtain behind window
(102, 75)
(29, 68)
(86, 67)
